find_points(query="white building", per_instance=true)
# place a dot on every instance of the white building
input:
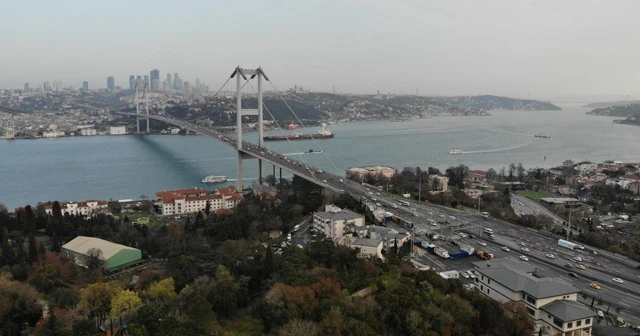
(184, 201)
(368, 248)
(118, 130)
(551, 304)
(88, 131)
(85, 208)
(333, 221)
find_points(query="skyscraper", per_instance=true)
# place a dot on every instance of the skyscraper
(154, 76)
(132, 82)
(111, 83)
(169, 82)
(177, 82)
(85, 86)
(26, 87)
(146, 79)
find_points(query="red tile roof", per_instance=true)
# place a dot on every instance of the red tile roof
(203, 198)
(227, 191)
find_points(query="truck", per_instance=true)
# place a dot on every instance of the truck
(439, 251)
(566, 244)
(433, 235)
(485, 254)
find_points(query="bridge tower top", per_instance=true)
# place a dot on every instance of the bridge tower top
(142, 98)
(240, 74)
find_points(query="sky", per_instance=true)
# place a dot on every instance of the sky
(520, 48)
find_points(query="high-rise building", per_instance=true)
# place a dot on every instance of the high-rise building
(177, 82)
(154, 76)
(169, 82)
(85, 86)
(46, 86)
(26, 87)
(146, 79)
(132, 82)
(111, 83)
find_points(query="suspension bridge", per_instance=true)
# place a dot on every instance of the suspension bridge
(257, 151)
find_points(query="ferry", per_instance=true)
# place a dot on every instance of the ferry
(292, 126)
(541, 135)
(214, 179)
(456, 151)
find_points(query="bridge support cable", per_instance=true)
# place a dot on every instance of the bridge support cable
(295, 150)
(303, 126)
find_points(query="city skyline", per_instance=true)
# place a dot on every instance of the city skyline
(539, 49)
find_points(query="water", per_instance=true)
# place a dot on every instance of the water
(120, 167)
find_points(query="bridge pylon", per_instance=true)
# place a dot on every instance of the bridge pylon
(142, 98)
(240, 74)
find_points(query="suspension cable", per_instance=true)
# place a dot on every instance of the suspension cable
(303, 126)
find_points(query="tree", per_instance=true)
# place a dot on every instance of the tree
(94, 258)
(491, 175)
(52, 327)
(512, 170)
(207, 208)
(124, 301)
(95, 299)
(161, 290)
(519, 323)
(520, 172)
(33, 249)
(299, 327)
(3, 208)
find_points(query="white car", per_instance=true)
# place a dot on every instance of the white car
(524, 258)
(618, 280)
(577, 259)
(465, 275)
(452, 217)
(482, 243)
(521, 243)
(551, 256)
(600, 314)
(525, 249)
(471, 275)
(462, 235)
(506, 249)
(324, 181)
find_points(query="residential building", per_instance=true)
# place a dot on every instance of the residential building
(368, 248)
(88, 131)
(438, 183)
(85, 208)
(184, 201)
(132, 82)
(114, 256)
(111, 83)
(117, 130)
(333, 221)
(551, 303)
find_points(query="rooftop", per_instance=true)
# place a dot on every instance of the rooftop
(559, 200)
(367, 242)
(82, 245)
(566, 310)
(518, 277)
(340, 215)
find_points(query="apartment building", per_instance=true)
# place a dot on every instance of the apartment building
(552, 304)
(185, 201)
(333, 221)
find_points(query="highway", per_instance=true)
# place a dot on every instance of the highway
(600, 266)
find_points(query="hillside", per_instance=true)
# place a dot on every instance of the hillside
(630, 120)
(617, 111)
(610, 104)
(490, 103)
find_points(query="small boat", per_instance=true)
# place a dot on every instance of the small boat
(214, 179)
(456, 151)
(541, 135)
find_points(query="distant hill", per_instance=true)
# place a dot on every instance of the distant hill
(611, 104)
(630, 120)
(617, 111)
(491, 103)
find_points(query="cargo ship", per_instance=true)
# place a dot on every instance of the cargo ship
(325, 133)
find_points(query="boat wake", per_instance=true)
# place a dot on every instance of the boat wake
(497, 150)
(244, 179)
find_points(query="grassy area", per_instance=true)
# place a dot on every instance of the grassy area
(135, 217)
(534, 195)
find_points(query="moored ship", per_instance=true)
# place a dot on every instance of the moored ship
(214, 179)
(324, 133)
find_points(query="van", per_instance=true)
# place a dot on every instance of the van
(488, 231)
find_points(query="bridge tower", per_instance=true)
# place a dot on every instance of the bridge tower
(240, 74)
(142, 98)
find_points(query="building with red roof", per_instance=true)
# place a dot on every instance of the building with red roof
(185, 201)
(85, 208)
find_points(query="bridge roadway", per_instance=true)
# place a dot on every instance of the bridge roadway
(600, 268)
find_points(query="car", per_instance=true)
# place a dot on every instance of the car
(434, 224)
(261, 153)
(441, 216)
(577, 258)
(573, 275)
(472, 236)
(373, 199)
(521, 243)
(378, 193)
(341, 181)
(452, 217)
(600, 314)
(618, 280)
(492, 237)
(582, 267)
(525, 249)
(568, 265)
(524, 258)
(550, 256)
(594, 285)
(482, 243)
(506, 249)
(394, 205)
(465, 275)
(462, 234)
(430, 213)
(471, 275)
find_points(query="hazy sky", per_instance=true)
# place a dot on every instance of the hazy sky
(445, 47)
